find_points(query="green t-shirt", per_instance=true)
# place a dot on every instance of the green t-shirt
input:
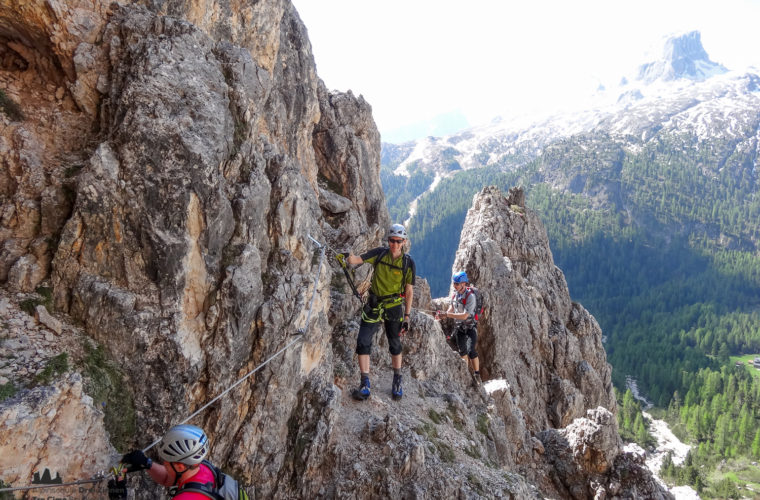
(387, 278)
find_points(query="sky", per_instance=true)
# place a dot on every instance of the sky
(456, 63)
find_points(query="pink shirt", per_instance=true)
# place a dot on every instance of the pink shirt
(204, 475)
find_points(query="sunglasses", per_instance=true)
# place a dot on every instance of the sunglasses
(394, 240)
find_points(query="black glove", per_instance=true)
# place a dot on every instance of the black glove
(404, 328)
(117, 490)
(136, 460)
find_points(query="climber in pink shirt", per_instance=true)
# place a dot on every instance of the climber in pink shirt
(183, 468)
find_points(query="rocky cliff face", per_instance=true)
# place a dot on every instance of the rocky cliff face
(169, 162)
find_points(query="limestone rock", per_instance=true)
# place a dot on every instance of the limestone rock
(422, 299)
(46, 54)
(630, 478)
(26, 273)
(532, 335)
(44, 317)
(333, 202)
(588, 453)
(60, 427)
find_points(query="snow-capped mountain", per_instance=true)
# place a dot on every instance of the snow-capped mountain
(682, 92)
(682, 57)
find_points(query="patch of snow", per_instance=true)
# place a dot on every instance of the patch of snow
(635, 449)
(631, 384)
(423, 151)
(495, 385)
(684, 493)
(666, 442)
(413, 205)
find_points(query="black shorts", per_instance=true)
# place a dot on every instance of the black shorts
(466, 340)
(392, 319)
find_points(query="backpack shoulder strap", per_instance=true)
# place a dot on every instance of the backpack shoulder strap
(205, 489)
(467, 292)
(209, 490)
(405, 263)
(404, 269)
(214, 470)
(386, 251)
(380, 256)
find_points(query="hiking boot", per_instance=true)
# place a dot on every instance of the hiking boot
(396, 391)
(363, 391)
(476, 379)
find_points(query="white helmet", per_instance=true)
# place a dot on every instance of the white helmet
(397, 230)
(185, 444)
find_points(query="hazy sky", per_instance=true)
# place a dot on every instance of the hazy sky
(413, 60)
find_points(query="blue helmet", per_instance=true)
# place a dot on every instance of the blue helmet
(460, 277)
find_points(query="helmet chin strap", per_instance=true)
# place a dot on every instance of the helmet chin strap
(177, 474)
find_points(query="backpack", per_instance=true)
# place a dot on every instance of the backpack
(225, 487)
(404, 268)
(479, 305)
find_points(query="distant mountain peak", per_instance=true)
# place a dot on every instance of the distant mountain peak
(683, 57)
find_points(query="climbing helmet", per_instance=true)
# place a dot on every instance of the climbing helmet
(397, 231)
(460, 277)
(185, 444)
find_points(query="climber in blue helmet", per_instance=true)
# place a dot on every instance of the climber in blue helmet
(463, 310)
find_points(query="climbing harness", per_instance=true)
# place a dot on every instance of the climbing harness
(373, 311)
(115, 471)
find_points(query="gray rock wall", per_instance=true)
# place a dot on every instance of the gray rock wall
(187, 249)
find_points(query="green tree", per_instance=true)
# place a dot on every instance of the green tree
(756, 445)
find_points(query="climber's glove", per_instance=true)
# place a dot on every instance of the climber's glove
(117, 489)
(136, 460)
(404, 328)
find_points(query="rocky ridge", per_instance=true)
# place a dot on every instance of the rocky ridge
(171, 164)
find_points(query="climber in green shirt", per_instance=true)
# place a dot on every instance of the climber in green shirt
(390, 302)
